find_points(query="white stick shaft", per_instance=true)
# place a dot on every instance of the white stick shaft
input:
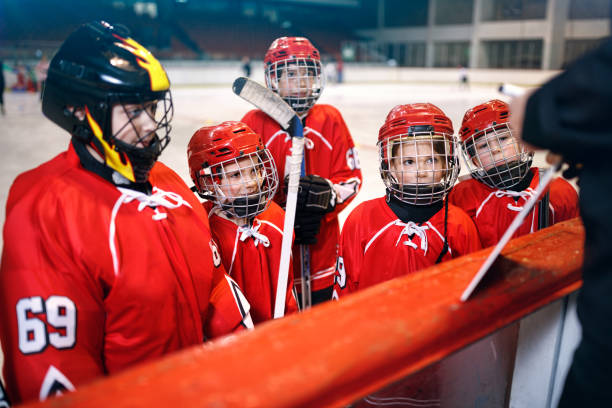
(511, 90)
(295, 162)
(516, 223)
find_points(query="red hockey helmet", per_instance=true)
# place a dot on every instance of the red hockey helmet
(196, 153)
(481, 117)
(225, 160)
(292, 67)
(494, 155)
(285, 48)
(403, 119)
(418, 153)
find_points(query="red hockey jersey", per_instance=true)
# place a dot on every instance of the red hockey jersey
(330, 153)
(376, 245)
(493, 210)
(251, 256)
(95, 278)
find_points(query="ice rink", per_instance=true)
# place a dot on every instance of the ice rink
(29, 139)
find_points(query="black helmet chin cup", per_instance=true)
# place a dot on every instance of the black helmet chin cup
(506, 175)
(246, 207)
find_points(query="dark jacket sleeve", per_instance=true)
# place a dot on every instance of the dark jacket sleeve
(572, 113)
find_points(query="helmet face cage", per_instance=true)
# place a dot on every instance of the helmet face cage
(496, 157)
(141, 150)
(297, 80)
(419, 168)
(160, 111)
(242, 186)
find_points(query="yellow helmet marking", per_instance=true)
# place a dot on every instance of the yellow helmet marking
(159, 79)
(111, 156)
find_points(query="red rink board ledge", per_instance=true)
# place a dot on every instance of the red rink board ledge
(340, 351)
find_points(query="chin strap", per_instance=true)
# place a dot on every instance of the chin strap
(445, 247)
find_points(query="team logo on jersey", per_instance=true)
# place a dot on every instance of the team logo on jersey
(54, 384)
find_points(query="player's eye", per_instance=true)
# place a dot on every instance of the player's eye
(134, 113)
(151, 108)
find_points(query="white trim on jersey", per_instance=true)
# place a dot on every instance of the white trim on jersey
(243, 304)
(274, 136)
(324, 140)
(440, 235)
(229, 271)
(54, 382)
(324, 273)
(380, 231)
(272, 225)
(552, 213)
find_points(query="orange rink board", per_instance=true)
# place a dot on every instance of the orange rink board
(335, 353)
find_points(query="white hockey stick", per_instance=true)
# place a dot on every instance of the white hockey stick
(545, 180)
(511, 90)
(274, 106)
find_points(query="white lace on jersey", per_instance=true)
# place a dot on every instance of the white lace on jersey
(410, 229)
(158, 198)
(524, 195)
(246, 232)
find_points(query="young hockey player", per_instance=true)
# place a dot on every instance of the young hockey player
(106, 262)
(293, 70)
(231, 167)
(413, 226)
(503, 179)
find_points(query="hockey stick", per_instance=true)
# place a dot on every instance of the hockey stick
(516, 223)
(274, 106)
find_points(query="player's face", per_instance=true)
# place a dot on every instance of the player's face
(242, 177)
(416, 162)
(134, 123)
(296, 81)
(496, 148)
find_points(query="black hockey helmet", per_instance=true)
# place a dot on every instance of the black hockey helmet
(96, 68)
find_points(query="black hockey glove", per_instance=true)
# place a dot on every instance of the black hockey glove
(315, 198)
